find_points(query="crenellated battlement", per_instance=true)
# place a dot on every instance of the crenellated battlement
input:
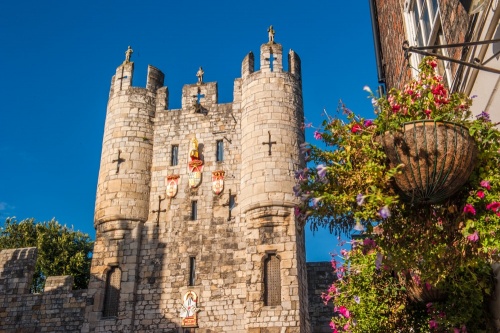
(57, 309)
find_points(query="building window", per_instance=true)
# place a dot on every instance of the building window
(194, 210)
(192, 270)
(174, 158)
(219, 157)
(423, 25)
(112, 292)
(272, 280)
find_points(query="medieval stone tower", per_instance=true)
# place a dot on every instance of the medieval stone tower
(194, 216)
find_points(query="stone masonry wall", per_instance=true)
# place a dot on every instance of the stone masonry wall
(58, 309)
(171, 238)
(319, 278)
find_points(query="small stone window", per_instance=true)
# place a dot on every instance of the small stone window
(112, 292)
(219, 156)
(174, 157)
(192, 270)
(194, 210)
(272, 280)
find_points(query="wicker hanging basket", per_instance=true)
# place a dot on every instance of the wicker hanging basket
(437, 159)
(420, 292)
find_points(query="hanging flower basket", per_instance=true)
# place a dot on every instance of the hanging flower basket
(419, 291)
(437, 158)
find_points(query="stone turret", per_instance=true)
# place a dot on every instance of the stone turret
(272, 115)
(122, 200)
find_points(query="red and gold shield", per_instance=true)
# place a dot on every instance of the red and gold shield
(218, 181)
(195, 167)
(172, 185)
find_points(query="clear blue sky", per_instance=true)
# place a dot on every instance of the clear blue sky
(57, 59)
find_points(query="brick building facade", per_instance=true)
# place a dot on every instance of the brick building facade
(440, 22)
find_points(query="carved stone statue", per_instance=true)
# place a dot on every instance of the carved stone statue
(193, 149)
(271, 34)
(199, 74)
(128, 54)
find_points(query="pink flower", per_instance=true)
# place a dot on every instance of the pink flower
(356, 128)
(427, 112)
(485, 184)
(480, 194)
(469, 209)
(473, 237)
(317, 135)
(433, 324)
(343, 312)
(332, 289)
(432, 63)
(494, 206)
(368, 123)
(395, 108)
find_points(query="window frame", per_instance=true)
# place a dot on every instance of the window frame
(192, 271)
(270, 283)
(174, 155)
(112, 296)
(219, 151)
(194, 210)
(418, 35)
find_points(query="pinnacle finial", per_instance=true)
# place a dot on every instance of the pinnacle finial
(199, 74)
(271, 34)
(128, 54)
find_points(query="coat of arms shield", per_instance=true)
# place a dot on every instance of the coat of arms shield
(218, 181)
(172, 185)
(195, 169)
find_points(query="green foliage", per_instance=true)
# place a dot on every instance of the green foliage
(61, 251)
(369, 296)
(448, 245)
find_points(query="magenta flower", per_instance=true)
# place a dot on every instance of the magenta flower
(473, 237)
(480, 194)
(485, 184)
(469, 209)
(433, 324)
(317, 135)
(494, 206)
(368, 123)
(356, 128)
(342, 310)
(321, 170)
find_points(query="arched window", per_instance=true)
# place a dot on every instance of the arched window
(112, 292)
(272, 280)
